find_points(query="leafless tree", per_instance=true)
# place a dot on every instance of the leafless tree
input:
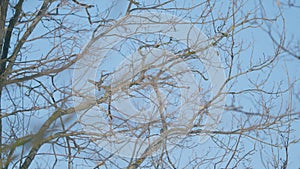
(71, 72)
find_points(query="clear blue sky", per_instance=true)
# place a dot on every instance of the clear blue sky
(262, 45)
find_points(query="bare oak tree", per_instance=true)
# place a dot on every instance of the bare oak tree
(136, 84)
